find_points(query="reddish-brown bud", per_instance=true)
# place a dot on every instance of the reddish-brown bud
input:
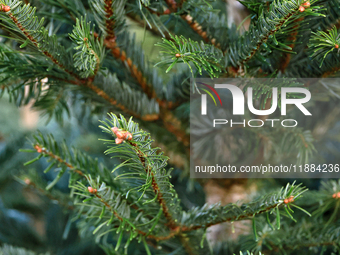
(301, 9)
(306, 4)
(167, 11)
(120, 135)
(119, 141)
(286, 201)
(128, 136)
(334, 195)
(92, 190)
(178, 55)
(37, 147)
(336, 46)
(114, 129)
(5, 8)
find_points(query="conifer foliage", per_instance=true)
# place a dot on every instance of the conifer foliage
(79, 59)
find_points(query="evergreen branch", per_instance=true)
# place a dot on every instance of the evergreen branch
(195, 26)
(268, 24)
(33, 31)
(60, 156)
(11, 250)
(40, 149)
(120, 54)
(154, 184)
(32, 70)
(208, 216)
(153, 30)
(29, 25)
(324, 43)
(110, 23)
(105, 196)
(152, 164)
(108, 15)
(129, 134)
(77, 162)
(333, 70)
(291, 38)
(173, 125)
(82, 173)
(136, 103)
(299, 237)
(88, 58)
(39, 37)
(167, 117)
(202, 56)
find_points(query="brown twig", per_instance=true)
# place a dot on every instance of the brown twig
(275, 250)
(278, 26)
(42, 150)
(331, 72)
(154, 185)
(230, 219)
(191, 22)
(135, 72)
(195, 26)
(110, 24)
(292, 38)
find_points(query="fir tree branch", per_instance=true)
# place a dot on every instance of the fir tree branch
(117, 52)
(167, 117)
(90, 49)
(141, 22)
(110, 23)
(35, 32)
(331, 72)
(194, 25)
(173, 125)
(41, 150)
(291, 38)
(202, 56)
(39, 37)
(268, 24)
(232, 212)
(135, 72)
(197, 28)
(154, 184)
(121, 219)
(187, 246)
(125, 131)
